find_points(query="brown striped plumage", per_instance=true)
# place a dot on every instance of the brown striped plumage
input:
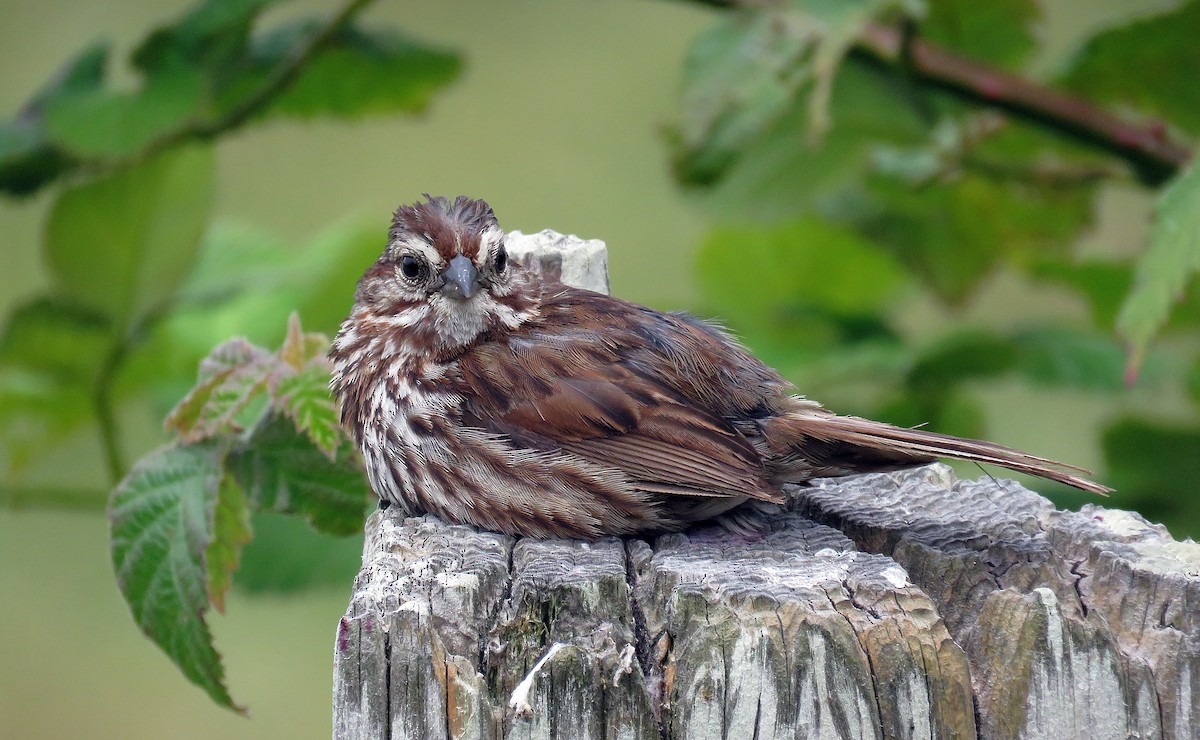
(485, 396)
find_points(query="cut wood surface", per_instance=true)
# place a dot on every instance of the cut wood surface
(907, 605)
(946, 609)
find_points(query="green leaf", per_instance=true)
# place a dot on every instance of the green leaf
(1166, 267)
(954, 233)
(1103, 284)
(37, 410)
(1149, 64)
(778, 176)
(998, 31)
(28, 160)
(1067, 357)
(739, 77)
(1193, 381)
(284, 471)
(810, 262)
(212, 34)
(123, 244)
(333, 263)
(287, 556)
(235, 258)
(106, 124)
(360, 72)
(232, 388)
(306, 399)
(230, 531)
(1155, 469)
(960, 357)
(162, 526)
(747, 71)
(50, 336)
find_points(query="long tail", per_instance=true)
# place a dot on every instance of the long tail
(810, 443)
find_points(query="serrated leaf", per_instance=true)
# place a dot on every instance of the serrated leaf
(122, 244)
(161, 517)
(230, 532)
(1166, 267)
(307, 401)
(50, 336)
(1149, 64)
(739, 77)
(998, 31)
(229, 380)
(284, 471)
(230, 355)
(292, 352)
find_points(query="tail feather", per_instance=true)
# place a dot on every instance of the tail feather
(807, 440)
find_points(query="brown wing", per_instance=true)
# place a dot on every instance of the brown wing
(570, 385)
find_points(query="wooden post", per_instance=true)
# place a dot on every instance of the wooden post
(906, 604)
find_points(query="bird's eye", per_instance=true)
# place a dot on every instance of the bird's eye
(501, 259)
(410, 267)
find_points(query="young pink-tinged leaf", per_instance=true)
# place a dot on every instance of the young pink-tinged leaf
(1165, 268)
(306, 400)
(300, 348)
(219, 405)
(228, 368)
(292, 351)
(162, 525)
(230, 531)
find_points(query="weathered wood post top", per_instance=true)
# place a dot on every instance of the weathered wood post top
(907, 605)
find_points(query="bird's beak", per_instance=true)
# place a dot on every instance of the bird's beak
(460, 280)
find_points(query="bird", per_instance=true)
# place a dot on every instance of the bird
(486, 394)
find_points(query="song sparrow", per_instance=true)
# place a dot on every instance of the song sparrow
(484, 395)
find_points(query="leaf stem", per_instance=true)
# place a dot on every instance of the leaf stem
(106, 417)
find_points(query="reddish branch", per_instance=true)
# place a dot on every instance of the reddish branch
(1147, 145)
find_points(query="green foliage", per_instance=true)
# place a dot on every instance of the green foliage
(162, 525)
(1000, 31)
(139, 228)
(1167, 267)
(208, 73)
(253, 435)
(1148, 64)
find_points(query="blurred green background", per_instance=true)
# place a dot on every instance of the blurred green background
(559, 121)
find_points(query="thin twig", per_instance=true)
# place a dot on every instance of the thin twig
(1147, 146)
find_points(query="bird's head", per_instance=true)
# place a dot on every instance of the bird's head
(446, 275)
